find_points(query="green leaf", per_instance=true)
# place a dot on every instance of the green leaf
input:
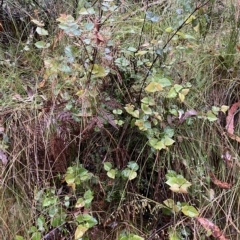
(190, 19)
(88, 11)
(80, 203)
(155, 143)
(129, 174)
(172, 93)
(42, 44)
(123, 62)
(153, 87)
(132, 49)
(124, 236)
(171, 174)
(41, 31)
(143, 125)
(173, 112)
(107, 166)
(99, 71)
(111, 173)
(165, 82)
(36, 236)
(188, 36)
(169, 131)
(140, 53)
(133, 165)
(18, 237)
(92, 222)
(169, 29)
(132, 175)
(211, 117)
(70, 178)
(172, 205)
(65, 18)
(41, 223)
(215, 110)
(119, 122)
(135, 237)
(181, 34)
(178, 184)
(53, 210)
(117, 111)
(58, 220)
(174, 235)
(88, 195)
(148, 101)
(146, 109)
(178, 87)
(89, 26)
(130, 109)
(49, 201)
(168, 141)
(152, 16)
(190, 211)
(86, 218)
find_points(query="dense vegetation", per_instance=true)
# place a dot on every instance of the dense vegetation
(119, 119)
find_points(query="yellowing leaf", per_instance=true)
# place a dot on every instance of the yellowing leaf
(181, 97)
(80, 231)
(141, 124)
(184, 188)
(72, 185)
(190, 19)
(140, 53)
(132, 175)
(196, 28)
(79, 92)
(171, 204)
(169, 29)
(153, 87)
(99, 71)
(178, 183)
(155, 143)
(181, 34)
(224, 108)
(185, 91)
(175, 188)
(130, 109)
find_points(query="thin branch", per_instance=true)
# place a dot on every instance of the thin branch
(168, 41)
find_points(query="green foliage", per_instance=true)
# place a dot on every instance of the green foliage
(76, 175)
(177, 183)
(129, 236)
(130, 172)
(55, 211)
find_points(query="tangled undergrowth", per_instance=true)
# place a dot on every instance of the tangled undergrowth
(119, 120)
